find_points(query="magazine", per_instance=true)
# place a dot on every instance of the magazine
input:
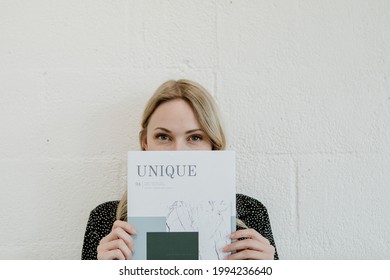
(182, 203)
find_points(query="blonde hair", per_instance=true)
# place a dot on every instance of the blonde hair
(204, 108)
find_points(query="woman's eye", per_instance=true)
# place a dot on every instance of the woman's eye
(195, 138)
(162, 137)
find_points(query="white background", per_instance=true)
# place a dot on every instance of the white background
(303, 86)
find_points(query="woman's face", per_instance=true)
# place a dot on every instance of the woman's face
(173, 126)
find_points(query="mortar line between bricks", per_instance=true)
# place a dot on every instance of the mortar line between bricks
(296, 187)
(296, 201)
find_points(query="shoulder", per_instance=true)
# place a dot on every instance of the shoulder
(251, 211)
(106, 207)
(246, 203)
(104, 213)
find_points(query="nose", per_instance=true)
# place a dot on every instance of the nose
(180, 145)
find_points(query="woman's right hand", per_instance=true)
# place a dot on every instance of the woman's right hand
(118, 244)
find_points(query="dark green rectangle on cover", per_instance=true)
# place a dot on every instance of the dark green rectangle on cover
(172, 246)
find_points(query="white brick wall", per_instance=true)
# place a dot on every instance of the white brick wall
(304, 88)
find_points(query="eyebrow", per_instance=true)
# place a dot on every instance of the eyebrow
(187, 132)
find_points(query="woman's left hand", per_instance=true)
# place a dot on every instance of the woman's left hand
(253, 247)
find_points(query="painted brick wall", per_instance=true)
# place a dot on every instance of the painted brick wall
(303, 86)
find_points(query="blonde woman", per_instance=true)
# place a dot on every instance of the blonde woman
(181, 115)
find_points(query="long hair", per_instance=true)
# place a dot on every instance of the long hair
(205, 110)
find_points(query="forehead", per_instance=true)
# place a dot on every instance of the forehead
(173, 114)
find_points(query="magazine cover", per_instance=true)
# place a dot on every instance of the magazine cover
(182, 203)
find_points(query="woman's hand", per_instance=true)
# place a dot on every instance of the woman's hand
(253, 247)
(118, 244)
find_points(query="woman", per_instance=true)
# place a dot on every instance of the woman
(181, 115)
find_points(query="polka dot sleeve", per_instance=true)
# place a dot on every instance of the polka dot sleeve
(99, 225)
(254, 214)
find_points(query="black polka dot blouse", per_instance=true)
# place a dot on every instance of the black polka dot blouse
(249, 210)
